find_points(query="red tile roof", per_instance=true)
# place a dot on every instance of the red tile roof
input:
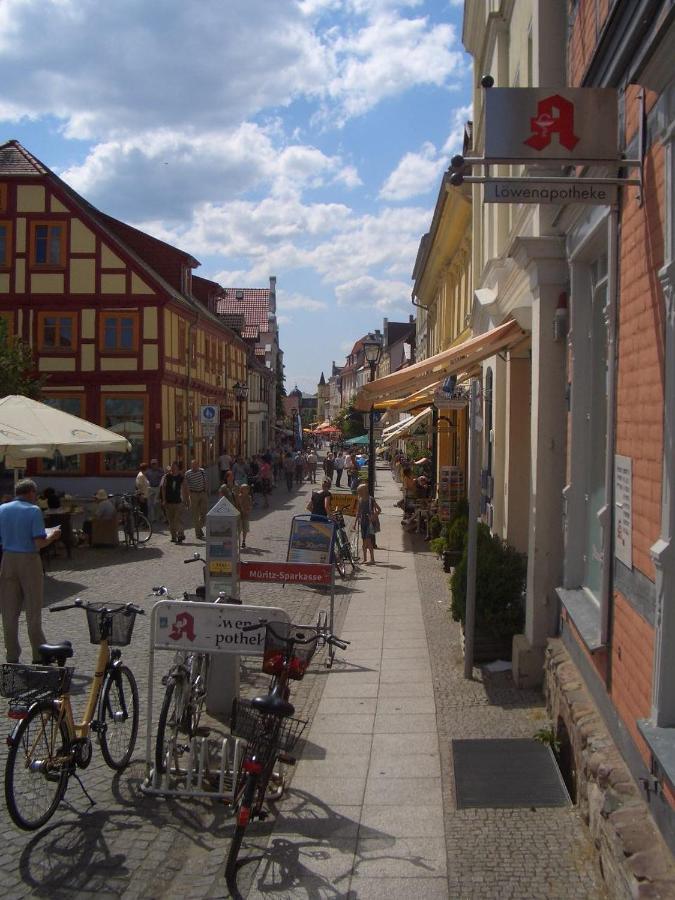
(254, 303)
(16, 160)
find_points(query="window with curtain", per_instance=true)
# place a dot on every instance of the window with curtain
(126, 416)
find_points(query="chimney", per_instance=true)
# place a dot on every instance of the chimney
(411, 319)
(273, 294)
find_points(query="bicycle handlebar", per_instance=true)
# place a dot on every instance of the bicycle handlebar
(85, 604)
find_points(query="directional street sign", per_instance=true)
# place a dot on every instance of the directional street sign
(209, 415)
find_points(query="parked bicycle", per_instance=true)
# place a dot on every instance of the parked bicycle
(267, 723)
(344, 560)
(47, 746)
(185, 695)
(135, 527)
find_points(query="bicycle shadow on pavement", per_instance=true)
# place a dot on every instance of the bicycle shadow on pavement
(71, 856)
(314, 850)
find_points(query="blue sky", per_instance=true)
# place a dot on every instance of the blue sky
(299, 138)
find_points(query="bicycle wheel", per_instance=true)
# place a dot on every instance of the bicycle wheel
(143, 528)
(37, 768)
(118, 717)
(128, 533)
(244, 809)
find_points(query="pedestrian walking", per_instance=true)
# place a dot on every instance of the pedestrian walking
(228, 490)
(319, 502)
(289, 470)
(197, 486)
(339, 467)
(240, 471)
(352, 472)
(312, 462)
(299, 467)
(329, 466)
(368, 520)
(244, 506)
(143, 489)
(224, 463)
(22, 536)
(173, 496)
(154, 473)
(266, 480)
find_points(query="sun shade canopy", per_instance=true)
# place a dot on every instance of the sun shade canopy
(29, 429)
(430, 371)
(406, 428)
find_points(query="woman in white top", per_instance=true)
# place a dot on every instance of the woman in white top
(143, 488)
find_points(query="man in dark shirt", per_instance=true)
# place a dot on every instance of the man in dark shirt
(173, 496)
(22, 536)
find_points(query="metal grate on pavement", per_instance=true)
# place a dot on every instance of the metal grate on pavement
(506, 774)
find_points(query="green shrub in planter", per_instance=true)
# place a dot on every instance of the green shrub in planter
(438, 545)
(500, 584)
(434, 527)
(457, 532)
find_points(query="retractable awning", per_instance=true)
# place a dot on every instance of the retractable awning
(423, 374)
(408, 426)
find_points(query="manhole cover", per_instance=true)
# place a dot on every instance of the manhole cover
(502, 774)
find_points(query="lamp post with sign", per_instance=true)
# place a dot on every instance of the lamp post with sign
(241, 394)
(372, 349)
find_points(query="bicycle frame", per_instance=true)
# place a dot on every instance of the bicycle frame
(81, 730)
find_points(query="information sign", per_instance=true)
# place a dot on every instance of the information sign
(310, 541)
(551, 123)
(344, 503)
(211, 627)
(588, 192)
(209, 414)
(312, 574)
(623, 513)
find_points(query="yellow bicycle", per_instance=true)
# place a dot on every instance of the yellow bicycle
(46, 745)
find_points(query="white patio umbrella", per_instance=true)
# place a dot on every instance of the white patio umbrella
(29, 429)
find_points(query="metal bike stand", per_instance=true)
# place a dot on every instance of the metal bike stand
(215, 629)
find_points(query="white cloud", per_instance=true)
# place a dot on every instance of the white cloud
(367, 291)
(287, 301)
(386, 57)
(415, 174)
(166, 173)
(418, 173)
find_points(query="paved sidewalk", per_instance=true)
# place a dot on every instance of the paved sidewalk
(371, 811)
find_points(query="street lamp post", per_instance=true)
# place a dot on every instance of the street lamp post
(241, 393)
(371, 349)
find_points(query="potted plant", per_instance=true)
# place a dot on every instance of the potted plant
(500, 586)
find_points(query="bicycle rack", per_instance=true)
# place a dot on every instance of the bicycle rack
(210, 766)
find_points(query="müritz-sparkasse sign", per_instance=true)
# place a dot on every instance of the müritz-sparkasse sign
(551, 123)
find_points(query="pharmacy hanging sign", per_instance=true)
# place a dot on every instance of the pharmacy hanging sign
(551, 123)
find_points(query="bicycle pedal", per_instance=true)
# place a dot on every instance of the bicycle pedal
(286, 759)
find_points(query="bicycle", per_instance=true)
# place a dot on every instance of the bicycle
(47, 746)
(135, 527)
(185, 695)
(267, 723)
(343, 551)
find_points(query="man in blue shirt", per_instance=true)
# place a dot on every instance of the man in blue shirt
(22, 536)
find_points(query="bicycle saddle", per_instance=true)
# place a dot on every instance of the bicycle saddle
(57, 653)
(273, 705)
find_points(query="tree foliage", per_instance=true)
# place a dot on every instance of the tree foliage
(17, 367)
(350, 422)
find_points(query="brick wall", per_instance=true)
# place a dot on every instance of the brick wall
(632, 663)
(641, 363)
(587, 21)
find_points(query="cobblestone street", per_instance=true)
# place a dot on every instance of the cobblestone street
(361, 823)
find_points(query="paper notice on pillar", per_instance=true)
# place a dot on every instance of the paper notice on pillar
(623, 510)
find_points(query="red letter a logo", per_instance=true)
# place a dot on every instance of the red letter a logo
(546, 123)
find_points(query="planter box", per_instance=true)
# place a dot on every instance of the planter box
(451, 558)
(487, 647)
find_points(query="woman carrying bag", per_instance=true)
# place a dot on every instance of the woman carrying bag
(368, 520)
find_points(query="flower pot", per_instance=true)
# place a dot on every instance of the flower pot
(488, 647)
(451, 558)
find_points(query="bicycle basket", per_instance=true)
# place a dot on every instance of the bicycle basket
(247, 722)
(117, 626)
(280, 637)
(17, 680)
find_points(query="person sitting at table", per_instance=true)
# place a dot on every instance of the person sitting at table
(105, 510)
(53, 499)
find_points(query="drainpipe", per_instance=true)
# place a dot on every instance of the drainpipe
(606, 513)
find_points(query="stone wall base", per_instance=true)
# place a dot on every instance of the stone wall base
(635, 861)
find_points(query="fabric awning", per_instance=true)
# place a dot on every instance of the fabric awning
(425, 373)
(408, 426)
